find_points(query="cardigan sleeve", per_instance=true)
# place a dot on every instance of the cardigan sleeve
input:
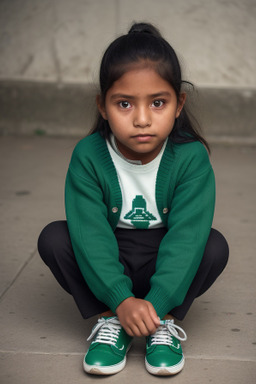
(189, 224)
(93, 241)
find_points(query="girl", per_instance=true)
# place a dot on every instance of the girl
(137, 247)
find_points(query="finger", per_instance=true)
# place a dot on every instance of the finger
(150, 326)
(153, 315)
(136, 331)
(145, 327)
(129, 331)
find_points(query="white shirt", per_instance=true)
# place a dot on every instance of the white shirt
(137, 182)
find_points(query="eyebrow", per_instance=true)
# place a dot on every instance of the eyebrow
(129, 97)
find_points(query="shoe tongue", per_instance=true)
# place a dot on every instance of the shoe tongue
(163, 322)
(108, 317)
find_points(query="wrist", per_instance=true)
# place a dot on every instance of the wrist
(125, 302)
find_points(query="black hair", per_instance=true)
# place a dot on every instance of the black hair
(144, 44)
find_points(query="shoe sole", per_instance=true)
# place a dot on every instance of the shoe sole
(165, 371)
(108, 369)
(104, 370)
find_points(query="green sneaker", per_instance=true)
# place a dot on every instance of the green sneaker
(107, 352)
(164, 355)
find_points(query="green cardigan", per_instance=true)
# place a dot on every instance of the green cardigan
(185, 197)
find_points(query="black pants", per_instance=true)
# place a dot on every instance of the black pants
(137, 253)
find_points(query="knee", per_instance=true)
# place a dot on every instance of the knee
(217, 250)
(51, 239)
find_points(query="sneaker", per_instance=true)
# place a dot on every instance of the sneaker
(164, 355)
(107, 352)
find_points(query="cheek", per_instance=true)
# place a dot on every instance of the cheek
(119, 121)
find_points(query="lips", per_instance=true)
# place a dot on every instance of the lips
(143, 138)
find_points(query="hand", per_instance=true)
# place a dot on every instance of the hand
(138, 317)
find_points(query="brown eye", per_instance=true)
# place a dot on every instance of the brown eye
(125, 104)
(158, 103)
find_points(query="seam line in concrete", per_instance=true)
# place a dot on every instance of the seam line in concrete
(53, 47)
(18, 274)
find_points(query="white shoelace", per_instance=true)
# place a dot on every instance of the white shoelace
(108, 331)
(166, 331)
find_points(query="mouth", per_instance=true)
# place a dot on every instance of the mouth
(143, 138)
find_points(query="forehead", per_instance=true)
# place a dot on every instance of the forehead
(140, 81)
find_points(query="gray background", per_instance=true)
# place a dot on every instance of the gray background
(51, 49)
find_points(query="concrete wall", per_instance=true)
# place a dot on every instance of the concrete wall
(61, 42)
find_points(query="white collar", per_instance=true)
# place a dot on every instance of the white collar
(113, 144)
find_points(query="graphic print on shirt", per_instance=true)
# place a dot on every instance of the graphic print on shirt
(139, 215)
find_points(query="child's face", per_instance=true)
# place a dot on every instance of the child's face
(141, 109)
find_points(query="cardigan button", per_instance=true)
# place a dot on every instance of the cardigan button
(114, 209)
(165, 210)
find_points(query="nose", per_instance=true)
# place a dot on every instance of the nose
(142, 117)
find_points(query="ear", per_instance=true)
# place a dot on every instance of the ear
(101, 106)
(181, 102)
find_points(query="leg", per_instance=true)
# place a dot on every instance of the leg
(213, 263)
(138, 251)
(55, 249)
(172, 361)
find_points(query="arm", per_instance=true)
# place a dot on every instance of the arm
(92, 237)
(189, 225)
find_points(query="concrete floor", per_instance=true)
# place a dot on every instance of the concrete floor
(43, 337)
